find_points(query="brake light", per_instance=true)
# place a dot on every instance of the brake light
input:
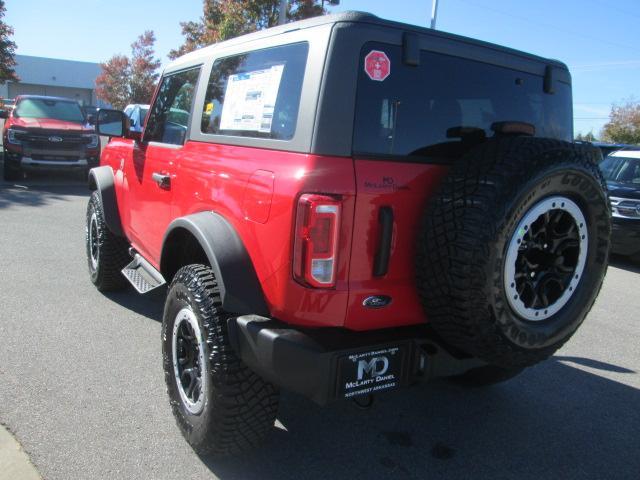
(316, 240)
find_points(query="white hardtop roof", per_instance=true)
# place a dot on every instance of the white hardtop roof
(626, 153)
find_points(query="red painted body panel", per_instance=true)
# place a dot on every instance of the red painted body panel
(260, 204)
(216, 177)
(258, 196)
(406, 188)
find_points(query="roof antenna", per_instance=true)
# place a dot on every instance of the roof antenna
(282, 12)
(434, 13)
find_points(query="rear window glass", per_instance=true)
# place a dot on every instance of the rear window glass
(49, 108)
(256, 94)
(418, 110)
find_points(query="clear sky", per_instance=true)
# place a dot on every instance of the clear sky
(598, 39)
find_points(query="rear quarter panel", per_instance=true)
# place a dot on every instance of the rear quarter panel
(236, 183)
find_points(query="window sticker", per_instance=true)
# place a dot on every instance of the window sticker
(377, 65)
(250, 99)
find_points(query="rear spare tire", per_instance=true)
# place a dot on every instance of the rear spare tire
(514, 248)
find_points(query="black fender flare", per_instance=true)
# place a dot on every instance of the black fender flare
(240, 289)
(101, 180)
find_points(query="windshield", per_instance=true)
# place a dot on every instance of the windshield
(66, 110)
(621, 169)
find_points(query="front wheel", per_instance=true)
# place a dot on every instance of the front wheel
(11, 169)
(220, 405)
(107, 254)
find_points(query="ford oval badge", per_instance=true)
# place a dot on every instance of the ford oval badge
(376, 301)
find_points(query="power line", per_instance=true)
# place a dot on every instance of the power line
(609, 6)
(548, 25)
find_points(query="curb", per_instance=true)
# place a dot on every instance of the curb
(14, 462)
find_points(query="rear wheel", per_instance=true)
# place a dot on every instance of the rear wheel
(514, 249)
(220, 405)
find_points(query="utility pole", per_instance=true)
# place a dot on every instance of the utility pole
(282, 13)
(434, 13)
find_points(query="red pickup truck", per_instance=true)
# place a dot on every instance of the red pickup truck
(47, 133)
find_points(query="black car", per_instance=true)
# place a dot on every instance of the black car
(622, 172)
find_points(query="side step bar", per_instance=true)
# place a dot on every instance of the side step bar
(142, 275)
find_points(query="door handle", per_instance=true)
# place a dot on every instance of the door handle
(163, 181)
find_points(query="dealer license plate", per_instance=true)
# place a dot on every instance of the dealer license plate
(369, 372)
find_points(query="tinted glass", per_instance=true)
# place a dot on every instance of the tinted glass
(169, 118)
(414, 109)
(68, 111)
(143, 114)
(256, 94)
(621, 169)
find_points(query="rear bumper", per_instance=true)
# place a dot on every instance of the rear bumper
(625, 236)
(330, 364)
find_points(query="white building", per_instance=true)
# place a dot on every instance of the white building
(54, 77)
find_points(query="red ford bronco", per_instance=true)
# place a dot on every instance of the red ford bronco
(344, 206)
(47, 133)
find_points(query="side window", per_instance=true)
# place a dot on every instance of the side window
(169, 117)
(256, 94)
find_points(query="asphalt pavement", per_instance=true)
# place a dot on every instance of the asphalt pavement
(82, 389)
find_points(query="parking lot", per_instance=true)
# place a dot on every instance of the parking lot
(82, 388)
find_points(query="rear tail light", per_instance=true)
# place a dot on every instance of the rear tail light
(316, 240)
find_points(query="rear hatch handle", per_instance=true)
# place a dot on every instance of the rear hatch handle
(381, 262)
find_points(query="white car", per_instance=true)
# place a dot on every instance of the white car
(137, 113)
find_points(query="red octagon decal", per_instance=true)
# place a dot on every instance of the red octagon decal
(377, 65)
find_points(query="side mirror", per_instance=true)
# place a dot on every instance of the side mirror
(91, 119)
(4, 114)
(111, 123)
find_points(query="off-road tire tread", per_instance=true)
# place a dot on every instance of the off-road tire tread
(244, 406)
(114, 251)
(453, 247)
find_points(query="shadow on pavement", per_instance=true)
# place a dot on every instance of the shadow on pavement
(624, 263)
(553, 421)
(41, 189)
(150, 305)
(559, 419)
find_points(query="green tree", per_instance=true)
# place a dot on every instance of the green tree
(588, 137)
(125, 80)
(7, 50)
(624, 123)
(225, 19)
